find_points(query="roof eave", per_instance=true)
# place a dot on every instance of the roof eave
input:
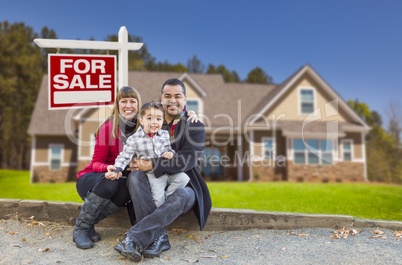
(197, 87)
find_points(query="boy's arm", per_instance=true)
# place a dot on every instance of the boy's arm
(168, 151)
(166, 142)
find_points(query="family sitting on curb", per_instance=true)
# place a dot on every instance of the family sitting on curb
(165, 180)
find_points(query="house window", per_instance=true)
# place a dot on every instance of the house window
(347, 150)
(313, 151)
(326, 152)
(306, 101)
(299, 151)
(192, 105)
(267, 148)
(55, 156)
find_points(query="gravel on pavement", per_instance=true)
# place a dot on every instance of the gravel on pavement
(31, 242)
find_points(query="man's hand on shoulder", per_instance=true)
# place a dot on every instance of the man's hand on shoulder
(192, 117)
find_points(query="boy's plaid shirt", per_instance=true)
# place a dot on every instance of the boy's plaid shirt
(143, 147)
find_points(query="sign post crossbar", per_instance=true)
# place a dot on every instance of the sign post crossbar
(123, 46)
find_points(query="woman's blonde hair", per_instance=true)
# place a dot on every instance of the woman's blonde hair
(124, 92)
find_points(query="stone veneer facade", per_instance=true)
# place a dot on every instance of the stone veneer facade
(341, 172)
(45, 174)
(265, 171)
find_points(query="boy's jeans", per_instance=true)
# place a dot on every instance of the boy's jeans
(170, 183)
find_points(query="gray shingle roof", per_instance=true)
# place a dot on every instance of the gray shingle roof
(47, 122)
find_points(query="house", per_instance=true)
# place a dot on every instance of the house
(300, 130)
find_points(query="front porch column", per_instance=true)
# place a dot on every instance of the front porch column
(240, 156)
(364, 156)
(33, 158)
(250, 167)
(274, 145)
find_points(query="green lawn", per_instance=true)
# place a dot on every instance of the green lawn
(15, 185)
(359, 200)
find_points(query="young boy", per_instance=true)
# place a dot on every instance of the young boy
(148, 142)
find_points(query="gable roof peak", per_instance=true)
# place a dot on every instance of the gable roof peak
(281, 89)
(193, 83)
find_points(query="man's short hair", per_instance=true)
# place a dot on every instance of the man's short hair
(174, 82)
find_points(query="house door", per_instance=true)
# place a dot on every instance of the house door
(211, 164)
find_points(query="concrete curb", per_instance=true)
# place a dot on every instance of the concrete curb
(219, 219)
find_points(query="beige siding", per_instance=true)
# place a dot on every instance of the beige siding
(88, 128)
(42, 148)
(190, 91)
(98, 113)
(192, 94)
(258, 145)
(357, 145)
(289, 103)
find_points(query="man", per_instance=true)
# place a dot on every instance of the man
(149, 236)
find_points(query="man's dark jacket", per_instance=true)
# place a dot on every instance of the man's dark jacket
(189, 144)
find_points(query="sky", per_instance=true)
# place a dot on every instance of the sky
(355, 45)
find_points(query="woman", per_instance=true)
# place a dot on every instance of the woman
(104, 196)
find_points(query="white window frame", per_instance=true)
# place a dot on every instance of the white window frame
(306, 151)
(351, 149)
(61, 146)
(263, 139)
(299, 100)
(200, 104)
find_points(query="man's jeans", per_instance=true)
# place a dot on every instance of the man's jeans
(151, 221)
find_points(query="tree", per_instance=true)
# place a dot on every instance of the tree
(165, 67)
(393, 112)
(362, 109)
(195, 66)
(47, 33)
(258, 76)
(376, 118)
(383, 163)
(137, 60)
(20, 76)
(236, 77)
(229, 77)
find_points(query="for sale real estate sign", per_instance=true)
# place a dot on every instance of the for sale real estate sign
(81, 80)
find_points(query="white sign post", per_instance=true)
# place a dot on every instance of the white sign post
(123, 46)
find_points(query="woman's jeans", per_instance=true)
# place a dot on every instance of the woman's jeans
(114, 190)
